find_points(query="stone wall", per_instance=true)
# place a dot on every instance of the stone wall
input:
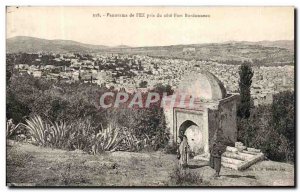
(169, 124)
(223, 121)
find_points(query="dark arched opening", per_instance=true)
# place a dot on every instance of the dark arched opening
(184, 126)
(194, 136)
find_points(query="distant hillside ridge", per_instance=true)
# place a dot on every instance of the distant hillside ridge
(32, 44)
(270, 53)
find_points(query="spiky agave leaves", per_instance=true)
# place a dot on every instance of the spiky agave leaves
(38, 129)
(80, 136)
(114, 138)
(57, 134)
(131, 141)
(108, 139)
(44, 134)
(11, 128)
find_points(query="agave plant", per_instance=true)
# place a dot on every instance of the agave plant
(108, 139)
(80, 134)
(38, 129)
(130, 140)
(57, 134)
(11, 128)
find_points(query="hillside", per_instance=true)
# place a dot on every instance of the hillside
(286, 44)
(270, 53)
(32, 45)
(29, 165)
(267, 52)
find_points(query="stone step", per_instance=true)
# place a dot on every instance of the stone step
(238, 155)
(236, 161)
(231, 160)
(238, 158)
(253, 150)
(250, 152)
(231, 149)
(231, 166)
(248, 163)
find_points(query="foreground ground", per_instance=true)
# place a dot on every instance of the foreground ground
(29, 165)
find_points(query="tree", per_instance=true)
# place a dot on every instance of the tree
(143, 84)
(15, 109)
(283, 111)
(246, 74)
(160, 88)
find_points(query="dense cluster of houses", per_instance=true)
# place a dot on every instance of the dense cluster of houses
(128, 71)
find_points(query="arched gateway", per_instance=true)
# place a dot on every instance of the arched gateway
(194, 136)
(212, 108)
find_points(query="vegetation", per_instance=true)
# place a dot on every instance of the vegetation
(11, 128)
(185, 177)
(57, 117)
(245, 82)
(17, 158)
(143, 84)
(108, 139)
(271, 128)
(80, 135)
(38, 130)
(34, 59)
(283, 117)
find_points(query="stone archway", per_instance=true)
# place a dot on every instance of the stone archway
(194, 135)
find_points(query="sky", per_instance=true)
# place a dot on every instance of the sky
(80, 24)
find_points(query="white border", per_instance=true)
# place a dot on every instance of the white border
(114, 3)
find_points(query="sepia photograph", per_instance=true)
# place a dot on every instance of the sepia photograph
(150, 96)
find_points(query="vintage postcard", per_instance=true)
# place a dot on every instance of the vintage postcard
(150, 96)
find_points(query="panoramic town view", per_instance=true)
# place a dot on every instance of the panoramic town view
(132, 71)
(94, 114)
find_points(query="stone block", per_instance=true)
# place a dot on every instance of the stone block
(231, 149)
(238, 144)
(254, 150)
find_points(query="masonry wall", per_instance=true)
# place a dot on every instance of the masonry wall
(169, 123)
(222, 121)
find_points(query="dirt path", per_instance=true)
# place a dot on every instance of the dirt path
(36, 166)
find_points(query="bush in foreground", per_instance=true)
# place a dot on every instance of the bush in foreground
(185, 177)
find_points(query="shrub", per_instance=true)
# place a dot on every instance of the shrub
(185, 177)
(81, 135)
(144, 128)
(271, 128)
(11, 129)
(15, 109)
(131, 143)
(283, 119)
